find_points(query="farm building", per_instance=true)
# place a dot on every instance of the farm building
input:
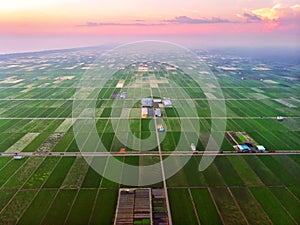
(157, 100)
(144, 113)
(147, 102)
(157, 112)
(167, 102)
(244, 148)
(160, 128)
(261, 148)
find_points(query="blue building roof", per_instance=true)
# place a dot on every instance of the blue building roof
(244, 147)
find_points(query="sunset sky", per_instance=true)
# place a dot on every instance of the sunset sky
(52, 24)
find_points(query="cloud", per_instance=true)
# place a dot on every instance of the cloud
(189, 20)
(176, 20)
(250, 17)
(280, 16)
(137, 23)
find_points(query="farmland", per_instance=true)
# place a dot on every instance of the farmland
(48, 186)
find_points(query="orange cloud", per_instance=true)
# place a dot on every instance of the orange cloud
(280, 16)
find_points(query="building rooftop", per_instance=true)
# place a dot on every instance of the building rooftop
(147, 102)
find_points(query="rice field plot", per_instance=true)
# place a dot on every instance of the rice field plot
(230, 212)
(106, 199)
(76, 174)
(105, 183)
(228, 172)
(271, 205)
(78, 214)
(38, 207)
(42, 173)
(245, 171)
(168, 144)
(213, 177)
(10, 141)
(58, 175)
(92, 179)
(24, 172)
(60, 207)
(288, 201)
(279, 170)
(182, 210)
(254, 213)
(205, 207)
(22, 143)
(263, 172)
(16, 207)
(7, 123)
(4, 161)
(9, 169)
(64, 142)
(193, 176)
(73, 147)
(5, 196)
(179, 179)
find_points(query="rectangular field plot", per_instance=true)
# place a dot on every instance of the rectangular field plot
(271, 206)
(252, 210)
(205, 206)
(181, 204)
(58, 211)
(106, 199)
(38, 207)
(230, 212)
(79, 214)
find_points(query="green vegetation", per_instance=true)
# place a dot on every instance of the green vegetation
(234, 189)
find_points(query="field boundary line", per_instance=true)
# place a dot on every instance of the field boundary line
(71, 206)
(216, 206)
(194, 206)
(238, 206)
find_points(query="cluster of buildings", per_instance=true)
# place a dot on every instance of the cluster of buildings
(152, 107)
(250, 147)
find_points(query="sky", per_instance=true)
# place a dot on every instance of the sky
(34, 25)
